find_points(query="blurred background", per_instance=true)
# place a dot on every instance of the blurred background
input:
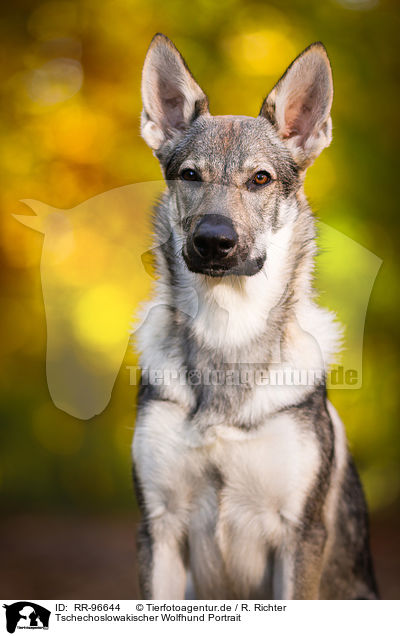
(69, 129)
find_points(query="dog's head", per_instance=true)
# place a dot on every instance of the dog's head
(232, 179)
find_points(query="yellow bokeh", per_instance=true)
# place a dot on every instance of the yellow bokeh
(102, 315)
(321, 179)
(262, 52)
(76, 133)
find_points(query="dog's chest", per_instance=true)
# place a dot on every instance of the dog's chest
(235, 495)
(249, 497)
(262, 475)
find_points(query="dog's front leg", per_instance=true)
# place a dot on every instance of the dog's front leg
(163, 482)
(299, 564)
(162, 572)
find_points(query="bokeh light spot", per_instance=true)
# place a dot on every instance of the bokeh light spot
(55, 81)
(264, 52)
(102, 317)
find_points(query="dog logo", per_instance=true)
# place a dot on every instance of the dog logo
(26, 615)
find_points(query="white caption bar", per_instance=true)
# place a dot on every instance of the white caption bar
(171, 617)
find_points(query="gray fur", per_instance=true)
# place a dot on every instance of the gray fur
(250, 488)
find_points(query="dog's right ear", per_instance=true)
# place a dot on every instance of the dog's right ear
(172, 99)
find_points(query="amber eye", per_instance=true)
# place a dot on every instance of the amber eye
(261, 178)
(190, 175)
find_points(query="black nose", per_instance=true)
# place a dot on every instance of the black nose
(214, 237)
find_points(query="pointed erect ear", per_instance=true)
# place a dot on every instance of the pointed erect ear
(300, 103)
(171, 97)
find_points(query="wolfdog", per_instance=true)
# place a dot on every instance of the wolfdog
(245, 484)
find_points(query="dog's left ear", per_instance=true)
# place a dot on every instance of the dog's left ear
(299, 105)
(172, 99)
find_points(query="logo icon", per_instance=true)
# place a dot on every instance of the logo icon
(26, 615)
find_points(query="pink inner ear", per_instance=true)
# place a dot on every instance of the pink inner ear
(172, 104)
(291, 121)
(300, 115)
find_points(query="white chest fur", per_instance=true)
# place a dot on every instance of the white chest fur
(234, 494)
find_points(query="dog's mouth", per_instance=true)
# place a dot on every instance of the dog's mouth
(248, 267)
(214, 249)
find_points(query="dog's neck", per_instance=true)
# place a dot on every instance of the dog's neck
(265, 319)
(263, 322)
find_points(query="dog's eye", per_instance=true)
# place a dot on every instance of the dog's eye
(190, 175)
(261, 178)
